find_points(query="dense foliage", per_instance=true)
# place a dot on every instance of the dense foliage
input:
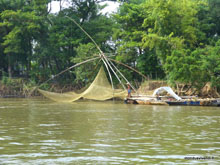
(174, 37)
(169, 39)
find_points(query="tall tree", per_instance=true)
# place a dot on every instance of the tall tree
(129, 36)
(172, 32)
(22, 26)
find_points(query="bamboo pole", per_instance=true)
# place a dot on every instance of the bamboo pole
(85, 33)
(105, 60)
(129, 68)
(108, 74)
(83, 62)
(101, 55)
(123, 76)
(114, 72)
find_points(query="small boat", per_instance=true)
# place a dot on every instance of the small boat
(173, 99)
(182, 102)
(200, 102)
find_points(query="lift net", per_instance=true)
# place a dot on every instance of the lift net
(100, 89)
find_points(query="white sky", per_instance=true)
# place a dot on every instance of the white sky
(112, 7)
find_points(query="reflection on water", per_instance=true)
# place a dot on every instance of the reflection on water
(43, 132)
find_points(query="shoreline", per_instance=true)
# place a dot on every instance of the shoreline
(22, 89)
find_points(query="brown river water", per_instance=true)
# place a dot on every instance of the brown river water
(39, 131)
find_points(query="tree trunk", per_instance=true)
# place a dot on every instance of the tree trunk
(28, 67)
(60, 5)
(57, 64)
(9, 66)
(29, 57)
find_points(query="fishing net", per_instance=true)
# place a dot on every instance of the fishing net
(100, 89)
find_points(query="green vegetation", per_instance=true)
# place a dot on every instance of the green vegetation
(174, 40)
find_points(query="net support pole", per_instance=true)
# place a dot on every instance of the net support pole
(102, 55)
(122, 75)
(129, 68)
(110, 76)
(107, 61)
(97, 48)
(83, 62)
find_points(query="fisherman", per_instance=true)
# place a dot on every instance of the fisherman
(129, 90)
(158, 96)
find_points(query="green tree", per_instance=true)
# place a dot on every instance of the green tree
(6, 61)
(214, 13)
(128, 36)
(195, 68)
(64, 37)
(169, 34)
(22, 27)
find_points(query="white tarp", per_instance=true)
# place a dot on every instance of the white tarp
(168, 90)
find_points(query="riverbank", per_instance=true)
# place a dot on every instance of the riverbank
(148, 87)
(14, 88)
(22, 88)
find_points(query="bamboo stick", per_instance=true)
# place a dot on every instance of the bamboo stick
(83, 62)
(129, 68)
(104, 58)
(114, 73)
(123, 76)
(101, 55)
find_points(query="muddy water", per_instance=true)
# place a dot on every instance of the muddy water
(37, 131)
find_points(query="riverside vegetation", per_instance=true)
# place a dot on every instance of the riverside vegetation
(176, 41)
